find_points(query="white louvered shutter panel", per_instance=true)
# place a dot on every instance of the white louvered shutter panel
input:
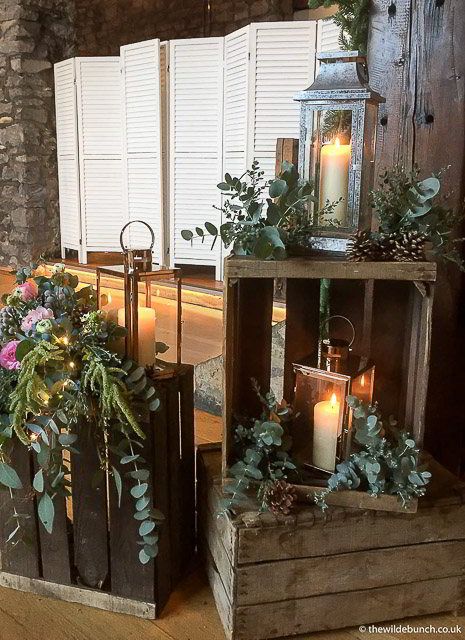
(100, 146)
(196, 122)
(140, 65)
(235, 117)
(328, 36)
(165, 144)
(68, 156)
(282, 63)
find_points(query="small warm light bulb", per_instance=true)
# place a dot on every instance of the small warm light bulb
(72, 364)
(65, 340)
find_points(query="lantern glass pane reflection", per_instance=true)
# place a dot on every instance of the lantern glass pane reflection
(324, 420)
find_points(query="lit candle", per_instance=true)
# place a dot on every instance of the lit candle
(325, 433)
(334, 178)
(146, 334)
(109, 306)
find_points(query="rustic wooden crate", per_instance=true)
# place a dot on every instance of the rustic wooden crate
(92, 556)
(277, 576)
(390, 305)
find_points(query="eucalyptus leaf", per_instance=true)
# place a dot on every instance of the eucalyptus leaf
(46, 512)
(38, 482)
(9, 477)
(144, 557)
(146, 527)
(139, 490)
(118, 484)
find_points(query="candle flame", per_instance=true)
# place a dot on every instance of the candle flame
(337, 142)
(109, 298)
(333, 401)
(362, 380)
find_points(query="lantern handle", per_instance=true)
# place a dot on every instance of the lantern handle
(152, 234)
(326, 323)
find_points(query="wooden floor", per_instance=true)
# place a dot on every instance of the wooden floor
(189, 615)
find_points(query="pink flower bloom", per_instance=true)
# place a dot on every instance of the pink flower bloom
(8, 356)
(34, 316)
(28, 291)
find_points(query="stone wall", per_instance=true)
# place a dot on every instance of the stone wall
(103, 26)
(33, 35)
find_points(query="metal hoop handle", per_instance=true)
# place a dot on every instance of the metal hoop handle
(128, 224)
(326, 323)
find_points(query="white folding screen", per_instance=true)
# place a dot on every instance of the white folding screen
(282, 62)
(328, 36)
(149, 135)
(196, 122)
(142, 141)
(68, 156)
(100, 152)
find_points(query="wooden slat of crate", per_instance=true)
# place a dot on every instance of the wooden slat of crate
(246, 267)
(161, 499)
(302, 326)
(187, 495)
(129, 578)
(339, 610)
(248, 310)
(275, 577)
(54, 548)
(21, 558)
(90, 519)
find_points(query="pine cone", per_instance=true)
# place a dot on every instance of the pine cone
(9, 322)
(386, 247)
(409, 246)
(280, 497)
(362, 247)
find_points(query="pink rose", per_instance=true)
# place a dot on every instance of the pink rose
(8, 356)
(34, 316)
(28, 291)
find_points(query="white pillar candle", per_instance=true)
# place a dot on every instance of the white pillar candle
(334, 178)
(111, 308)
(146, 334)
(325, 433)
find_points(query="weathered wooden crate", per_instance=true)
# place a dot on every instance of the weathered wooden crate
(390, 305)
(278, 576)
(92, 555)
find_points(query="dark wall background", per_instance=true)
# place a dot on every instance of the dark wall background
(101, 27)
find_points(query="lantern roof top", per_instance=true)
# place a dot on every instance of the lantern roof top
(343, 75)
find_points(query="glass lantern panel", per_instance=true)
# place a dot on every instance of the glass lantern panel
(320, 403)
(362, 385)
(333, 160)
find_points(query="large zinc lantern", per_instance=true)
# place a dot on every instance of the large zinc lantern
(338, 122)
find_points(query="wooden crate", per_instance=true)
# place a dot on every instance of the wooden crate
(390, 305)
(274, 577)
(92, 555)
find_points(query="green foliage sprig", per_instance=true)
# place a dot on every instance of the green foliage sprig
(262, 452)
(405, 203)
(352, 17)
(386, 461)
(57, 375)
(264, 225)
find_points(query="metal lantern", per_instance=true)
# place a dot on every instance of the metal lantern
(339, 114)
(137, 269)
(320, 399)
